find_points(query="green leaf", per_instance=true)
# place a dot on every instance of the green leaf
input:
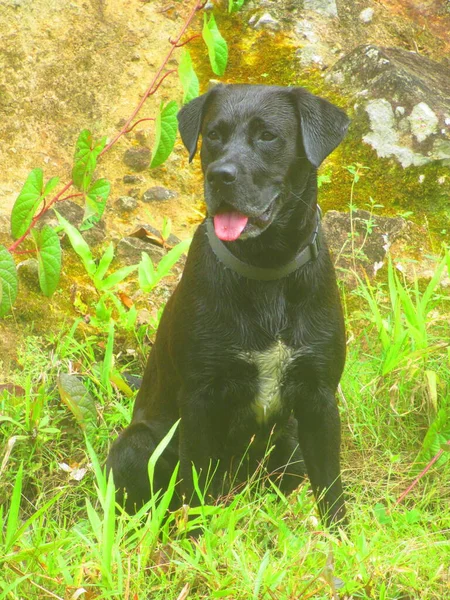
(85, 159)
(235, 5)
(50, 186)
(188, 77)
(437, 434)
(14, 507)
(166, 127)
(105, 261)
(146, 273)
(217, 46)
(108, 359)
(49, 258)
(79, 401)
(167, 262)
(78, 244)
(27, 203)
(114, 278)
(96, 199)
(8, 281)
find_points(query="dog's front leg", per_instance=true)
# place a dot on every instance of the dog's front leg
(197, 441)
(319, 432)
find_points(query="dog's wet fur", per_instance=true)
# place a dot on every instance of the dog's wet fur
(248, 365)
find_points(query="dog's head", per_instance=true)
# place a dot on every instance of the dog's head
(255, 141)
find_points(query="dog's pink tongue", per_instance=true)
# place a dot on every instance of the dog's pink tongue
(229, 225)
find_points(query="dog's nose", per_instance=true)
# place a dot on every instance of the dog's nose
(224, 174)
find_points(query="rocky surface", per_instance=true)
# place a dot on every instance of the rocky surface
(86, 65)
(129, 250)
(126, 204)
(402, 102)
(158, 194)
(138, 159)
(360, 242)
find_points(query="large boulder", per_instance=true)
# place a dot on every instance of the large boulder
(402, 104)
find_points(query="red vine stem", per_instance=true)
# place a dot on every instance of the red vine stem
(137, 123)
(39, 215)
(421, 474)
(199, 4)
(152, 88)
(181, 44)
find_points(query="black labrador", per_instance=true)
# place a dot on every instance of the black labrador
(251, 345)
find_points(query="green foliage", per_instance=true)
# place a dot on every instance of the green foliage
(149, 276)
(96, 197)
(8, 281)
(403, 330)
(54, 537)
(95, 194)
(87, 150)
(79, 401)
(48, 251)
(166, 128)
(436, 438)
(28, 201)
(235, 5)
(96, 273)
(217, 46)
(188, 77)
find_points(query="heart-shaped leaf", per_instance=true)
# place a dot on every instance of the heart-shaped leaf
(27, 203)
(217, 46)
(188, 77)
(96, 198)
(79, 401)
(166, 127)
(85, 159)
(8, 281)
(49, 258)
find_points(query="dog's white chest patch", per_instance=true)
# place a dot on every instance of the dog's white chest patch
(271, 364)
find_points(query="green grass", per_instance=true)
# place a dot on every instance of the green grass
(62, 538)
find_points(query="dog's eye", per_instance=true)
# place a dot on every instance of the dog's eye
(267, 136)
(213, 135)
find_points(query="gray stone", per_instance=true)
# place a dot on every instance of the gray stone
(366, 15)
(133, 179)
(322, 7)
(95, 235)
(406, 102)
(384, 136)
(372, 237)
(423, 121)
(267, 22)
(158, 194)
(309, 55)
(129, 250)
(28, 273)
(137, 158)
(305, 29)
(71, 211)
(126, 204)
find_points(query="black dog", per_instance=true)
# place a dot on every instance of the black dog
(251, 345)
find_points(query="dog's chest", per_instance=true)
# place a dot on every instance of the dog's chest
(271, 365)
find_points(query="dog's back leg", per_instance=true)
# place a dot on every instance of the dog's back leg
(128, 460)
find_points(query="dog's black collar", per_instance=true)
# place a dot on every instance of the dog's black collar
(309, 253)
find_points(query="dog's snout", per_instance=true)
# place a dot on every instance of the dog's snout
(222, 174)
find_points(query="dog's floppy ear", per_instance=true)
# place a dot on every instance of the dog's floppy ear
(190, 119)
(323, 124)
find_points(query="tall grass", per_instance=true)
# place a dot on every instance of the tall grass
(62, 536)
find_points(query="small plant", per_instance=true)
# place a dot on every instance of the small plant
(36, 199)
(403, 328)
